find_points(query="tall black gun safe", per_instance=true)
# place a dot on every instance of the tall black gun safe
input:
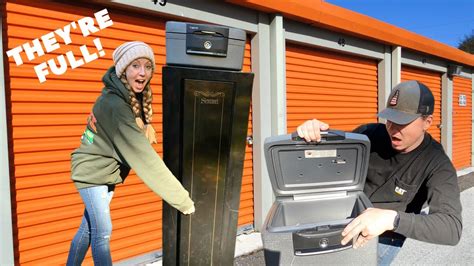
(206, 101)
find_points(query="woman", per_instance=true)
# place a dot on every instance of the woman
(117, 138)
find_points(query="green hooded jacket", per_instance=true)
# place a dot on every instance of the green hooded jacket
(113, 143)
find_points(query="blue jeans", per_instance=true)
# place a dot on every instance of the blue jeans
(387, 250)
(95, 229)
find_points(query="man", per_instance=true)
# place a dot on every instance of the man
(407, 168)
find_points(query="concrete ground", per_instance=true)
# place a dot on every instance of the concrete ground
(249, 247)
(419, 253)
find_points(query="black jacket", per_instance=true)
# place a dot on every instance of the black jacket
(404, 182)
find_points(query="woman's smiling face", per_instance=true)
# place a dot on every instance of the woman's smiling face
(139, 73)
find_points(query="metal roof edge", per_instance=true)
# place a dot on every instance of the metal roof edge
(322, 14)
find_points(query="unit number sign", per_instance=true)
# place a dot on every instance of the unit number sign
(462, 100)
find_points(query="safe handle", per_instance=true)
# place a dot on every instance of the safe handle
(320, 231)
(330, 135)
(207, 32)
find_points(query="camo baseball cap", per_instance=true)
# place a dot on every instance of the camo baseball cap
(408, 101)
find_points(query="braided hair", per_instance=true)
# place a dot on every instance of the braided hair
(137, 109)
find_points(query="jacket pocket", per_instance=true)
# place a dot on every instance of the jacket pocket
(403, 191)
(394, 190)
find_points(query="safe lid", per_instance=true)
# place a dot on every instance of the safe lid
(194, 28)
(204, 39)
(338, 163)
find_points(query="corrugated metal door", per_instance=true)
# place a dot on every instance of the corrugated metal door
(335, 88)
(433, 81)
(246, 194)
(48, 120)
(462, 122)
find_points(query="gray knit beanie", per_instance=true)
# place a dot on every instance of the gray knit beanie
(129, 51)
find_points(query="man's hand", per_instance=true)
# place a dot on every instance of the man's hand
(369, 224)
(310, 130)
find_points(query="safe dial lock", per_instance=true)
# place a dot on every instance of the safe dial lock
(207, 45)
(323, 243)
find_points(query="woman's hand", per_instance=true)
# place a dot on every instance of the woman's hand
(190, 210)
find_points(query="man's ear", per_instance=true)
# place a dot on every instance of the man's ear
(427, 122)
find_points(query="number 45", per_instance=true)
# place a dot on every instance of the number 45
(161, 2)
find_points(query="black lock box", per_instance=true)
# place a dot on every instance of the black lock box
(204, 46)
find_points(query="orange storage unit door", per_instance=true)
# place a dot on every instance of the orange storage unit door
(335, 88)
(462, 122)
(48, 120)
(246, 195)
(433, 81)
